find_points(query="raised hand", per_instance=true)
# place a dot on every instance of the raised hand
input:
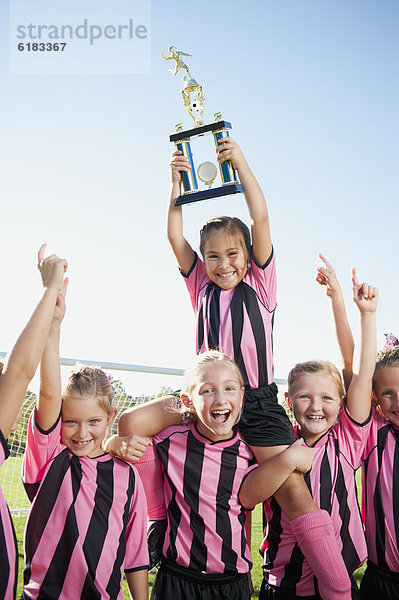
(51, 269)
(60, 307)
(177, 164)
(228, 149)
(365, 296)
(326, 277)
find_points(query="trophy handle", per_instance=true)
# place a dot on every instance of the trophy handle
(189, 178)
(227, 172)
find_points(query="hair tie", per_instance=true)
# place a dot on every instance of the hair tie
(391, 341)
(109, 377)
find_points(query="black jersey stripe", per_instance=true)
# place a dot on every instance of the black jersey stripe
(193, 464)
(54, 580)
(113, 586)
(258, 331)
(98, 526)
(174, 513)
(274, 535)
(377, 499)
(349, 553)
(41, 510)
(200, 330)
(237, 323)
(326, 484)
(395, 490)
(228, 465)
(214, 316)
(241, 519)
(293, 570)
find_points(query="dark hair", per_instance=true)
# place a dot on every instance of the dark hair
(231, 225)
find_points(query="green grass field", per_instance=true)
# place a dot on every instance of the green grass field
(19, 523)
(18, 498)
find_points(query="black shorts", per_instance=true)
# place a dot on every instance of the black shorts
(264, 421)
(378, 582)
(173, 582)
(270, 592)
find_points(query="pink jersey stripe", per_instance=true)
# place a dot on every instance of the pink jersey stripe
(8, 542)
(380, 498)
(331, 480)
(239, 321)
(205, 519)
(96, 515)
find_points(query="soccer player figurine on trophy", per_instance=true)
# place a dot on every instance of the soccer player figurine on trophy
(193, 97)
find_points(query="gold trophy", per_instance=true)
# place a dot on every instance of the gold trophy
(193, 98)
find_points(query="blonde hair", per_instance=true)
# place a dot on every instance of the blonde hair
(90, 382)
(316, 366)
(203, 361)
(386, 358)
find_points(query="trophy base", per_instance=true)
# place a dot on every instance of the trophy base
(224, 190)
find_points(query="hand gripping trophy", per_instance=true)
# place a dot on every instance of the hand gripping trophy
(193, 98)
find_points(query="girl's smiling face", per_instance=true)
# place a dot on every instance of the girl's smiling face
(225, 258)
(217, 400)
(84, 425)
(316, 403)
(386, 393)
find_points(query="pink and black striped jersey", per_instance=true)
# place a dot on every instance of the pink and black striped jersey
(8, 541)
(238, 321)
(87, 524)
(381, 493)
(202, 480)
(331, 481)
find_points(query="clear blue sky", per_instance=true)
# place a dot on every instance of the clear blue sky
(311, 88)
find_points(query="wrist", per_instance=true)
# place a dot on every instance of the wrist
(366, 314)
(289, 456)
(175, 191)
(55, 328)
(108, 443)
(336, 295)
(52, 287)
(242, 167)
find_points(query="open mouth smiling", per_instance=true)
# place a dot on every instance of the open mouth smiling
(220, 416)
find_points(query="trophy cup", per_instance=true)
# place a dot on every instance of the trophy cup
(193, 98)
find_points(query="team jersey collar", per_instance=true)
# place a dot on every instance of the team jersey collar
(220, 444)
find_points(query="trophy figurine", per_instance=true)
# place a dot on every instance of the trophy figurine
(193, 98)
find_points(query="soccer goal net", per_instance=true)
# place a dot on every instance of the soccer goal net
(10, 472)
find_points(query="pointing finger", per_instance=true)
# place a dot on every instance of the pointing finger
(355, 279)
(40, 254)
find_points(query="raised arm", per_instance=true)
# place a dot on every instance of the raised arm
(261, 241)
(359, 394)
(180, 246)
(264, 481)
(138, 424)
(28, 349)
(49, 401)
(326, 277)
